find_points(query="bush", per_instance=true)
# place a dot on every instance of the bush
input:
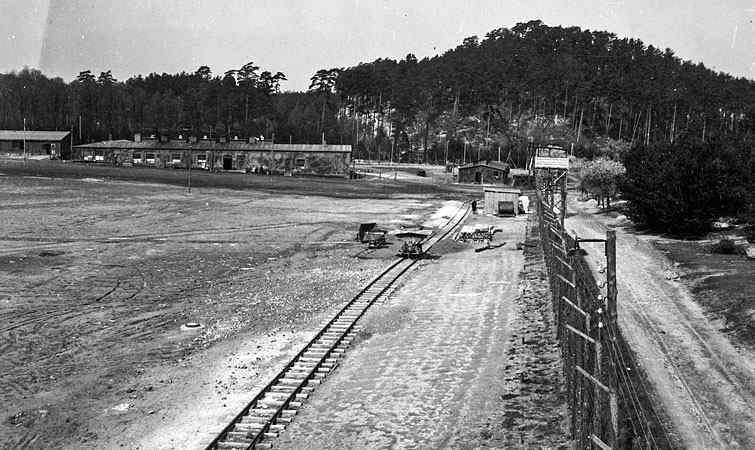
(750, 233)
(680, 188)
(725, 247)
(601, 177)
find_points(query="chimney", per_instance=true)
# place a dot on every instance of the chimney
(137, 137)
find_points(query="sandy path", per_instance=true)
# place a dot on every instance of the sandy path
(706, 385)
(432, 363)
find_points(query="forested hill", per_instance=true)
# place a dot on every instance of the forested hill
(484, 94)
(614, 86)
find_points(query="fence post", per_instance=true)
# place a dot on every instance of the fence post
(611, 314)
(562, 213)
(597, 372)
(611, 276)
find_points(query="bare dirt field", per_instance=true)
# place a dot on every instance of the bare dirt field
(697, 368)
(98, 277)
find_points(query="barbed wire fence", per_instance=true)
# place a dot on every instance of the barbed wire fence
(606, 403)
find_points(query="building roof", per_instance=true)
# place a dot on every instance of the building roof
(233, 145)
(503, 190)
(519, 172)
(491, 164)
(32, 135)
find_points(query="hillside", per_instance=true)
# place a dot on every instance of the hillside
(483, 92)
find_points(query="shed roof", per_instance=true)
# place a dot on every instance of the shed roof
(503, 190)
(519, 172)
(32, 135)
(491, 164)
(232, 145)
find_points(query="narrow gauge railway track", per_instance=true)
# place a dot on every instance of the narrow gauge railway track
(277, 403)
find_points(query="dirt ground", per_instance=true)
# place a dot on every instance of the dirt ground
(724, 285)
(98, 278)
(704, 383)
(470, 362)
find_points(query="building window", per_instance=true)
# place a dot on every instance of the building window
(202, 161)
(18, 145)
(176, 158)
(301, 163)
(88, 156)
(149, 158)
(137, 157)
(99, 155)
(240, 161)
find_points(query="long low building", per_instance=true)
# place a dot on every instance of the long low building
(34, 143)
(219, 154)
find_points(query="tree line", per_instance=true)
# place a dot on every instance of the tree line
(475, 98)
(245, 102)
(592, 81)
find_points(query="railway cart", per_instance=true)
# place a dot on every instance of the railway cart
(411, 245)
(375, 238)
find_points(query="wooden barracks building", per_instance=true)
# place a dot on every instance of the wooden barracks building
(219, 154)
(487, 172)
(35, 144)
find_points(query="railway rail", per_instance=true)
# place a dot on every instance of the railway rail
(276, 404)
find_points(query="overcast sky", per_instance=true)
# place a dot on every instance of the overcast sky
(298, 37)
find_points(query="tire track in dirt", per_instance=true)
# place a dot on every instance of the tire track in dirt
(142, 237)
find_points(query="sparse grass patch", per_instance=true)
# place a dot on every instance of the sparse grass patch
(722, 283)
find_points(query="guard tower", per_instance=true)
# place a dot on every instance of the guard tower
(550, 166)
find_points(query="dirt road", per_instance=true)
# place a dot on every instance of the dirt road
(705, 384)
(440, 364)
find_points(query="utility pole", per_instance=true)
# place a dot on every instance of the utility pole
(24, 137)
(188, 177)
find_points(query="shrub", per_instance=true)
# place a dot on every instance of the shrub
(680, 188)
(601, 177)
(725, 247)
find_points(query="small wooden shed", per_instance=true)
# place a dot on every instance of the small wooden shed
(501, 201)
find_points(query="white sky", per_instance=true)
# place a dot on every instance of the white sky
(298, 37)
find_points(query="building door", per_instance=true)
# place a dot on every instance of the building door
(227, 162)
(477, 177)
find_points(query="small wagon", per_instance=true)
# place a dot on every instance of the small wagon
(477, 233)
(375, 238)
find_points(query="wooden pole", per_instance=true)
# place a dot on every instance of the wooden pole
(611, 294)
(611, 276)
(562, 213)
